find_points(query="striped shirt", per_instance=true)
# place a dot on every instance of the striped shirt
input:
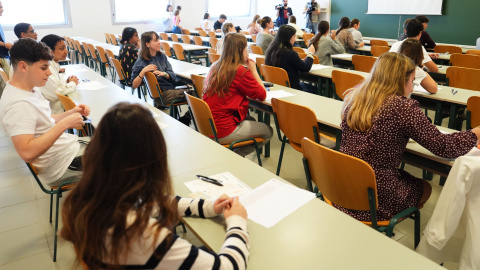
(173, 252)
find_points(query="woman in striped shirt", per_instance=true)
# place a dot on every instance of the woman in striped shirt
(122, 214)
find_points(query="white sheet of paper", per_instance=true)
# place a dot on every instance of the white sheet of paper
(278, 94)
(271, 202)
(198, 71)
(420, 90)
(232, 186)
(342, 56)
(91, 85)
(318, 66)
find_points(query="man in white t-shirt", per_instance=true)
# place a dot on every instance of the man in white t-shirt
(38, 136)
(414, 30)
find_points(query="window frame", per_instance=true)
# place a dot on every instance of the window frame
(66, 24)
(114, 18)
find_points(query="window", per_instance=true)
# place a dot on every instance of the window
(35, 12)
(138, 11)
(238, 8)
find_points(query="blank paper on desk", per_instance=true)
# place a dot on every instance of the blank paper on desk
(278, 94)
(271, 202)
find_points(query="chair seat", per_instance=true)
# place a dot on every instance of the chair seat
(66, 187)
(325, 140)
(245, 143)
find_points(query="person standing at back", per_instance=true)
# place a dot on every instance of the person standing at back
(312, 11)
(4, 56)
(283, 13)
(168, 19)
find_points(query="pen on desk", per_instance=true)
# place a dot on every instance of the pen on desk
(85, 80)
(268, 89)
(209, 180)
(454, 91)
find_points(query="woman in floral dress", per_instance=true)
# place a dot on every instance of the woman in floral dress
(128, 51)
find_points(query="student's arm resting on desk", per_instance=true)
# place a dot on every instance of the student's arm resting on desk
(431, 66)
(429, 84)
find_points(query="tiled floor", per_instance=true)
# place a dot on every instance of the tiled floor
(26, 236)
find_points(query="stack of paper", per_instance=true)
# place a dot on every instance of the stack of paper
(318, 66)
(278, 94)
(232, 186)
(342, 56)
(420, 90)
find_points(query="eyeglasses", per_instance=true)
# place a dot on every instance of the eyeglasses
(32, 31)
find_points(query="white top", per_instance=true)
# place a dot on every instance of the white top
(299, 30)
(56, 82)
(28, 112)
(357, 35)
(168, 21)
(419, 76)
(205, 24)
(396, 48)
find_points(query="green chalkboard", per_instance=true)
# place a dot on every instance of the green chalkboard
(457, 25)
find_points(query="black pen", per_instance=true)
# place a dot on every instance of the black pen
(209, 180)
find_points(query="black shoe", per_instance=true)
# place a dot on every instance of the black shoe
(186, 119)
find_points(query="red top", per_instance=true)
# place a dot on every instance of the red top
(231, 109)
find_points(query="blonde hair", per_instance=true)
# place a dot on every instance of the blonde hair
(222, 72)
(388, 78)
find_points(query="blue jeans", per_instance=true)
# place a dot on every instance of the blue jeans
(176, 30)
(306, 87)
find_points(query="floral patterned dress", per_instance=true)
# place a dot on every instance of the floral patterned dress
(382, 147)
(127, 57)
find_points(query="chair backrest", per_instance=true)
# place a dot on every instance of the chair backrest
(202, 115)
(275, 75)
(67, 104)
(447, 48)
(345, 80)
(186, 31)
(363, 63)
(213, 42)
(85, 49)
(473, 107)
(379, 50)
(178, 49)
(102, 54)
(302, 55)
(298, 50)
(213, 57)
(466, 78)
(475, 52)
(152, 84)
(307, 37)
(342, 179)
(202, 33)
(186, 39)
(197, 40)
(295, 121)
(113, 39)
(174, 37)
(256, 49)
(93, 51)
(79, 47)
(212, 34)
(107, 38)
(197, 81)
(164, 36)
(166, 48)
(465, 60)
(110, 54)
(118, 68)
(254, 37)
(3, 75)
(260, 61)
(198, 28)
(378, 42)
(315, 59)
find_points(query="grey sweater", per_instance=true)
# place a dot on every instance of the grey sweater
(325, 48)
(264, 40)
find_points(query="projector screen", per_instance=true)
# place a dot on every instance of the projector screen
(405, 7)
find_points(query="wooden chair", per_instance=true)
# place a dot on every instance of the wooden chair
(304, 55)
(260, 61)
(110, 54)
(212, 34)
(166, 49)
(275, 75)
(198, 81)
(174, 37)
(107, 38)
(81, 51)
(473, 112)
(466, 78)
(205, 124)
(213, 42)
(465, 60)
(298, 50)
(296, 122)
(254, 38)
(307, 37)
(197, 41)
(363, 63)
(122, 78)
(4, 76)
(186, 39)
(164, 36)
(113, 39)
(447, 48)
(256, 49)
(186, 31)
(68, 104)
(213, 57)
(378, 42)
(350, 182)
(86, 52)
(104, 63)
(379, 50)
(244, 32)
(475, 52)
(345, 80)
(156, 92)
(202, 33)
(94, 57)
(198, 28)
(180, 55)
(56, 191)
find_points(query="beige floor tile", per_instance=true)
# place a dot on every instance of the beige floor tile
(407, 226)
(22, 243)
(3, 134)
(8, 151)
(11, 163)
(19, 215)
(65, 258)
(407, 241)
(22, 192)
(5, 141)
(13, 177)
(41, 261)
(451, 265)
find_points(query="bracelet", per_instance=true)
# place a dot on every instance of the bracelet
(166, 75)
(140, 77)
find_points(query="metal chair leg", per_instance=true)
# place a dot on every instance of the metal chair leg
(281, 155)
(51, 203)
(56, 229)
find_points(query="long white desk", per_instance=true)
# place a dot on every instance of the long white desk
(316, 235)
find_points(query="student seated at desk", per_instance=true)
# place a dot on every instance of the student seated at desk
(265, 38)
(345, 37)
(23, 30)
(324, 46)
(357, 35)
(57, 82)
(292, 21)
(414, 30)
(38, 135)
(128, 54)
(153, 60)
(217, 26)
(205, 23)
(122, 214)
(253, 27)
(404, 34)
(378, 131)
(229, 82)
(226, 28)
(281, 54)
(412, 48)
(425, 39)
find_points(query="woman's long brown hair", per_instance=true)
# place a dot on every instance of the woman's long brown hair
(222, 72)
(125, 174)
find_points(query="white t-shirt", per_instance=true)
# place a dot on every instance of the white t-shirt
(28, 112)
(56, 82)
(357, 35)
(299, 30)
(396, 48)
(205, 24)
(419, 76)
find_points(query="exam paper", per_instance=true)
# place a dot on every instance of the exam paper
(318, 66)
(198, 71)
(278, 94)
(420, 90)
(91, 85)
(342, 56)
(232, 186)
(271, 202)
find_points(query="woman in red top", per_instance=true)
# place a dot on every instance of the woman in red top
(230, 81)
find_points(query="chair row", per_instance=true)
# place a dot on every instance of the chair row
(111, 39)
